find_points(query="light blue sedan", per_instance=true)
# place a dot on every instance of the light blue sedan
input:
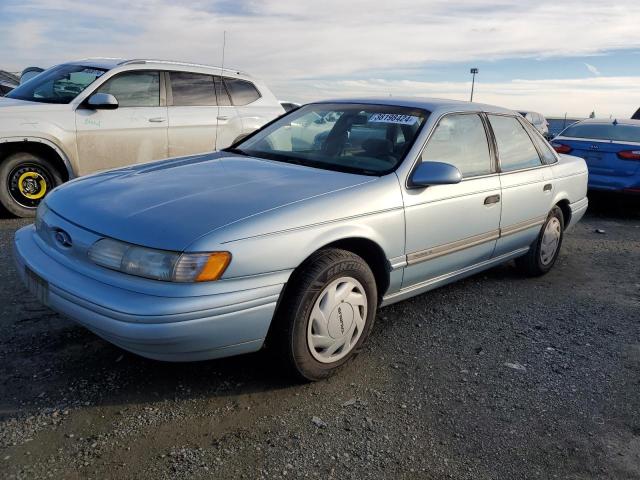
(299, 233)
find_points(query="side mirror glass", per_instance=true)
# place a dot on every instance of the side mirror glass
(102, 101)
(434, 173)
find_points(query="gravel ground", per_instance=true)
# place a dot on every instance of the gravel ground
(495, 377)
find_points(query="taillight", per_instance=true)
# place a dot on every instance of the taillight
(629, 154)
(561, 147)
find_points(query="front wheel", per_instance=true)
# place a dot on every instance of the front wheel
(25, 179)
(327, 313)
(544, 251)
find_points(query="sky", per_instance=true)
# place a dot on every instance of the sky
(556, 57)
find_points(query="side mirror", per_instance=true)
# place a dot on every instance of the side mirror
(434, 173)
(102, 101)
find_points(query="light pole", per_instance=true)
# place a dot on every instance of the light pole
(473, 81)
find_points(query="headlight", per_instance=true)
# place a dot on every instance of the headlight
(159, 264)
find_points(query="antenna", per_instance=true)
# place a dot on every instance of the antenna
(224, 46)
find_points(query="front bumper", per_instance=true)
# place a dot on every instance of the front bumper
(178, 328)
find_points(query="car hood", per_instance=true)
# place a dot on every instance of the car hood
(170, 204)
(14, 105)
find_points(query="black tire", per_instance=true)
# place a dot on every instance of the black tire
(288, 334)
(43, 177)
(533, 263)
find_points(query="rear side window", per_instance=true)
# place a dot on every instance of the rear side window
(515, 149)
(604, 131)
(242, 92)
(221, 92)
(134, 89)
(461, 141)
(192, 89)
(544, 148)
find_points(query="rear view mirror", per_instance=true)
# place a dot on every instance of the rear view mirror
(434, 173)
(360, 120)
(102, 101)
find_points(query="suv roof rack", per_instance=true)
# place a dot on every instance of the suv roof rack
(183, 64)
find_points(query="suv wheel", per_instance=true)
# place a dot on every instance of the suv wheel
(544, 251)
(327, 313)
(24, 181)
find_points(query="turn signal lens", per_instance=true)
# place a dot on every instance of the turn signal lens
(201, 267)
(561, 148)
(215, 267)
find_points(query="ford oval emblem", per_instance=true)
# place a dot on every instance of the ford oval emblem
(63, 238)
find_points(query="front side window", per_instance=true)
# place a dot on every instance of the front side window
(515, 149)
(357, 138)
(134, 89)
(461, 141)
(192, 89)
(242, 92)
(59, 84)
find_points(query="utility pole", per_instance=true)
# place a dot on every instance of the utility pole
(474, 71)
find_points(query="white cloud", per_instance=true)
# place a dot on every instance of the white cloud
(291, 42)
(592, 69)
(26, 35)
(617, 96)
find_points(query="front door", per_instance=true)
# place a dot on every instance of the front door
(135, 132)
(451, 227)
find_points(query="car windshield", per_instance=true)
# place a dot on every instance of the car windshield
(59, 84)
(355, 138)
(604, 131)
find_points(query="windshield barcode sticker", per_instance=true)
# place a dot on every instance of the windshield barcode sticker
(393, 118)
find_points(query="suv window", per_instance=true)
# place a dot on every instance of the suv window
(134, 89)
(460, 140)
(242, 92)
(515, 149)
(192, 89)
(221, 93)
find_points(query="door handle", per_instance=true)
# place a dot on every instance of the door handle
(223, 117)
(492, 199)
(157, 120)
(547, 187)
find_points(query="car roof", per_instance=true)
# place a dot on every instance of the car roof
(430, 104)
(109, 63)
(610, 121)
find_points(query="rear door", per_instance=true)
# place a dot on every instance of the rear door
(196, 120)
(527, 187)
(135, 132)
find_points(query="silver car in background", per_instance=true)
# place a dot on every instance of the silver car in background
(299, 233)
(96, 114)
(539, 122)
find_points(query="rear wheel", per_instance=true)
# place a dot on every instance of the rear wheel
(25, 179)
(326, 315)
(544, 251)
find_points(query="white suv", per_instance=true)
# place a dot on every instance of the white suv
(81, 117)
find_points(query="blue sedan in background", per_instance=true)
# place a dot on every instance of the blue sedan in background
(611, 149)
